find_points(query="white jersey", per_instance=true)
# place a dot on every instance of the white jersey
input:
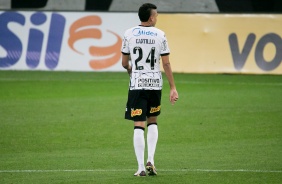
(145, 45)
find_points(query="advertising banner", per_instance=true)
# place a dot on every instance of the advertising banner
(224, 43)
(72, 41)
(91, 41)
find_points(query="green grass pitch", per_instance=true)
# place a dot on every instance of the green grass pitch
(68, 127)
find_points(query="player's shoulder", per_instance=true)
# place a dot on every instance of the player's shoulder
(159, 32)
(130, 30)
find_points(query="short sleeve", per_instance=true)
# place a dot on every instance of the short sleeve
(125, 45)
(164, 49)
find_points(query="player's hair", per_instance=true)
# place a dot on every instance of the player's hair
(144, 12)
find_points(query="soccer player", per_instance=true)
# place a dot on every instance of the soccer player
(142, 48)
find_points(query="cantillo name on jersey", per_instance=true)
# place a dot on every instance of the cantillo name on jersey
(145, 45)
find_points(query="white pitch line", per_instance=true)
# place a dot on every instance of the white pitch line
(230, 170)
(127, 170)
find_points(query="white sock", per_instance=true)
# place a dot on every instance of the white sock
(139, 147)
(152, 139)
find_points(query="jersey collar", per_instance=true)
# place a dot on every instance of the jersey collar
(145, 26)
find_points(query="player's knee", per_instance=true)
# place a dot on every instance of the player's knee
(152, 119)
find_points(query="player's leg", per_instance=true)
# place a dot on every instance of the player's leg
(154, 107)
(152, 139)
(136, 110)
(139, 146)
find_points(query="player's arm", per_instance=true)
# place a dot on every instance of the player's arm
(173, 97)
(125, 63)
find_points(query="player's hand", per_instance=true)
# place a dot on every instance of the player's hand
(173, 97)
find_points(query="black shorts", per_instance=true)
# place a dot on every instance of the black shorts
(142, 104)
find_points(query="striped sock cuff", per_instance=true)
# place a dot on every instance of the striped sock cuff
(152, 124)
(139, 127)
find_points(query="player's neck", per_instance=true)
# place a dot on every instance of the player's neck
(146, 24)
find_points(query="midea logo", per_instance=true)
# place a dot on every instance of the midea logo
(139, 32)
